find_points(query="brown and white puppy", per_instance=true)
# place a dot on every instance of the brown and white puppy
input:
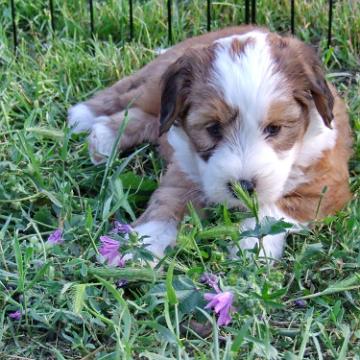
(241, 104)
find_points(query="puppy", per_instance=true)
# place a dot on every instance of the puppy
(237, 105)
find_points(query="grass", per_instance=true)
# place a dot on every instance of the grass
(306, 306)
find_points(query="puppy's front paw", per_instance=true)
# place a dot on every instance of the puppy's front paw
(159, 235)
(101, 140)
(273, 245)
(80, 118)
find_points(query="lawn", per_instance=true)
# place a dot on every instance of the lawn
(73, 306)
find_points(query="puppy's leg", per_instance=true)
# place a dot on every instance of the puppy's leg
(166, 208)
(273, 245)
(109, 101)
(103, 114)
(141, 127)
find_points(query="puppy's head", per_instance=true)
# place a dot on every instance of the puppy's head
(239, 110)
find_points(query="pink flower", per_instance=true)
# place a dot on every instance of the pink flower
(15, 315)
(211, 280)
(121, 228)
(222, 305)
(109, 249)
(55, 237)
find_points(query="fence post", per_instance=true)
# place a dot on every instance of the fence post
(247, 11)
(208, 15)
(13, 20)
(169, 15)
(253, 11)
(52, 16)
(131, 22)
(91, 7)
(292, 10)
(330, 22)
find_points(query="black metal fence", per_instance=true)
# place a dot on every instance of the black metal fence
(250, 17)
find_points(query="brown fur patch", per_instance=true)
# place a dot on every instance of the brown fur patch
(293, 121)
(237, 47)
(209, 109)
(169, 201)
(179, 81)
(303, 72)
(330, 171)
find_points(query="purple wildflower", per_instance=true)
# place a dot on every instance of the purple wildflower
(55, 237)
(300, 303)
(109, 249)
(122, 283)
(121, 228)
(15, 315)
(222, 305)
(211, 280)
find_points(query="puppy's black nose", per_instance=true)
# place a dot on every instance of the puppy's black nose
(247, 185)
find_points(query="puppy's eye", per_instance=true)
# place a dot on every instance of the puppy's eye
(272, 130)
(214, 131)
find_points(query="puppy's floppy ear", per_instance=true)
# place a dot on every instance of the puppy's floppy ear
(176, 83)
(321, 94)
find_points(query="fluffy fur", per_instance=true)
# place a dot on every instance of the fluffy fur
(238, 105)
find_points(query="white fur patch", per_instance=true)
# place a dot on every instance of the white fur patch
(184, 153)
(247, 81)
(273, 244)
(161, 234)
(80, 118)
(317, 139)
(101, 140)
(253, 160)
